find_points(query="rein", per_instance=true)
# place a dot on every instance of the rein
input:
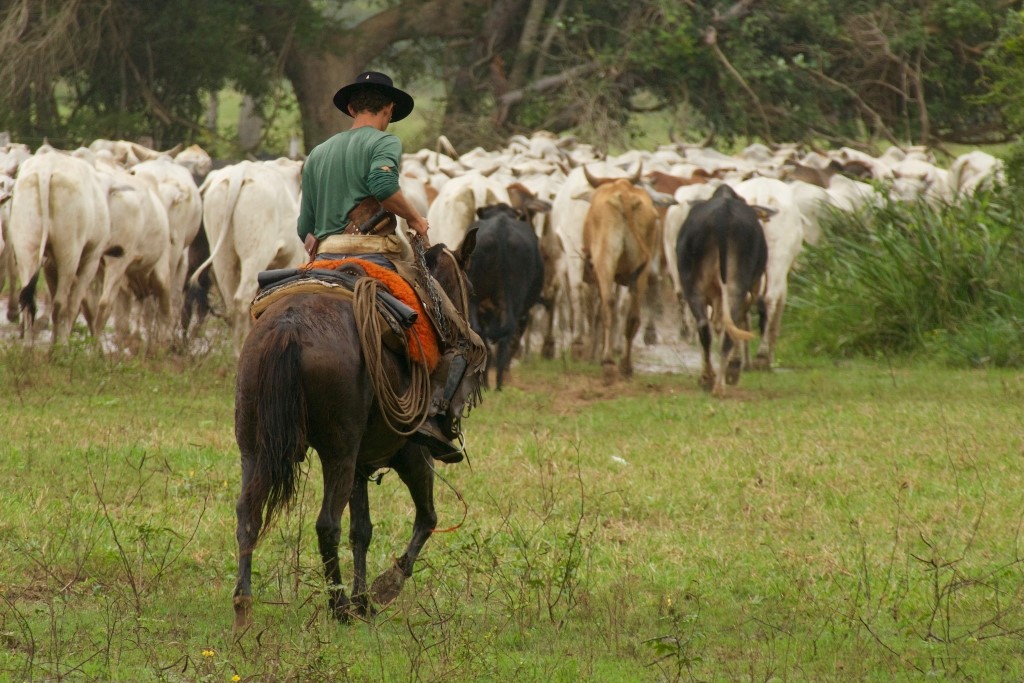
(465, 505)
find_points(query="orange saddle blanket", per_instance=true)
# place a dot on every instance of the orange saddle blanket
(421, 338)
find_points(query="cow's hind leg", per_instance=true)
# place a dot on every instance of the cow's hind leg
(632, 324)
(726, 367)
(703, 326)
(415, 469)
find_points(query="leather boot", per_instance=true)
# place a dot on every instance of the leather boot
(433, 438)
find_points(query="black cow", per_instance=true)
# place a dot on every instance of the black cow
(507, 275)
(722, 256)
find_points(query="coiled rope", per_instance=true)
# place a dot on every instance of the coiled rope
(399, 408)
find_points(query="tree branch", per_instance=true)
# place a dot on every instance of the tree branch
(876, 118)
(711, 38)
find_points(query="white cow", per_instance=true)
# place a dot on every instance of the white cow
(138, 257)
(250, 215)
(6, 255)
(454, 209)
(975, 170)
(59, 211)
(784, 234)
(184, 208)
(196, 160)
(914, 179)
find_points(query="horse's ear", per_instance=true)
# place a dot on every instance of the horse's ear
(467, 246)
(431, 254)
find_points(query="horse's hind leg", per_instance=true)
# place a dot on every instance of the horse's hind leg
(360, 534)
(339, 474)
(249, 511)
(415, 469)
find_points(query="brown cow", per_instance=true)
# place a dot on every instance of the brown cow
(621, 234)
(668, 184)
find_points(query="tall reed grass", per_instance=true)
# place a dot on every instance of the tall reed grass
(900, 278)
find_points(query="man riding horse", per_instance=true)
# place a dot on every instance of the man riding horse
(350, 197)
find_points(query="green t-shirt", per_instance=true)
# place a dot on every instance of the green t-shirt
(341, 172)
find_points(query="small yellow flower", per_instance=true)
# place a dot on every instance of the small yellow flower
(236, 678)
(208, 653)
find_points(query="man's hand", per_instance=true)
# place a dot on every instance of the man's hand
(311, 243)
(419, 224)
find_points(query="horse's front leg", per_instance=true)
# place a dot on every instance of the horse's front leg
(360, 534)
(414, 467)
(338, 479)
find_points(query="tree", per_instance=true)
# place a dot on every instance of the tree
(840, 71)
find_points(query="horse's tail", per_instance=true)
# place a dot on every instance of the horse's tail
(279, 415)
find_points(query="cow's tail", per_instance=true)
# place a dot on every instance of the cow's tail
(728, 324)
(279, 419)
(224, 220)
(43, 184)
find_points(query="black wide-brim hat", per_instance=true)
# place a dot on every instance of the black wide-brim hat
(403, 100)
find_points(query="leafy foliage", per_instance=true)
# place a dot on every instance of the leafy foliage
(789, 70)
(904, 278)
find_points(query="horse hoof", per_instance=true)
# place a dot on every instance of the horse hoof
(243, 612)
(362, 606)
(387, 586)
(761, 363)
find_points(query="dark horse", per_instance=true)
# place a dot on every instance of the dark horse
(303, 381)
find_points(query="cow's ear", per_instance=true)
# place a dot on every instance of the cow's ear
(763, 212)
(481, 211)
(661, 199)
(584, 195)
(467, 246)
(538, 205)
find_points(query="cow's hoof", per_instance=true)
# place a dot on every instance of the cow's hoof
(243, 612)
(609, 371)
(650, 336)
(707, 382)
(387, 586)
(732, 373)
(718, 391)
(626, 369)
(578, 352)
(761, 363)
(548, 350)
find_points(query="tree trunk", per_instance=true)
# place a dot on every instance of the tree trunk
(340, 55)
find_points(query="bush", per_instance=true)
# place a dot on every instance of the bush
(906, 278)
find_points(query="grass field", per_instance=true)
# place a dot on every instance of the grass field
(854, 521)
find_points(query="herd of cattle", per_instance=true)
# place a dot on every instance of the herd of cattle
(129, 235)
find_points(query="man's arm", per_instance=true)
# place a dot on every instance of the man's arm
(400, 206)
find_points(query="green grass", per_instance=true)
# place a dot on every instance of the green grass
(849, 521)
